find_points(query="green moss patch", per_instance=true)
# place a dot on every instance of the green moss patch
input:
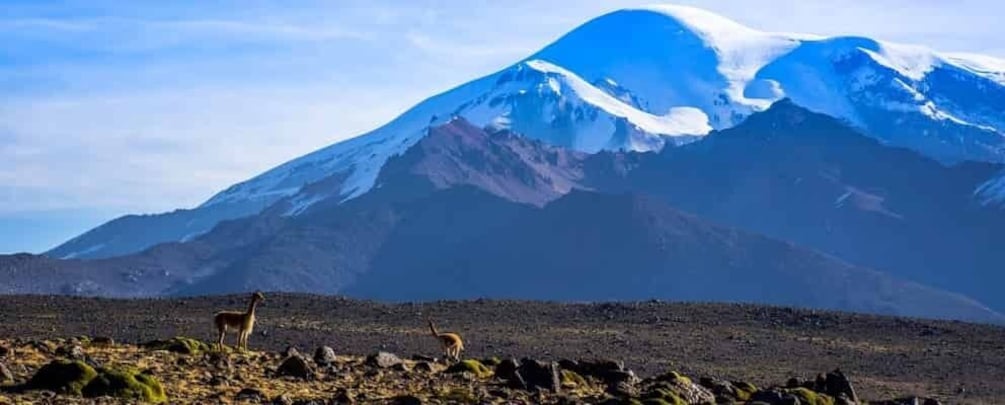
(472, 366)
(663, 396)
(459, 395)
(179, 344)
(807, 396)
(62, 376)
(491, 361)
(571, 379)
(125, 384)
(744, 390)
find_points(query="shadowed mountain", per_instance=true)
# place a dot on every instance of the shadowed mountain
(803, 177)
(468, 212)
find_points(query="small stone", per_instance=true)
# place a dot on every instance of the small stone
(623, 389)
(406, 400)
(217, 360)
(42, 346)
(296, 367)
(423, 366)
(773, 397)
(291, 351)
(5, 374)
(343, 396)
(217, 380)
(909, 401)
(419, 357)
(283, 399)
(324, 356)
(102, 341)
(383, 360)
(74, 352)
(250, 395)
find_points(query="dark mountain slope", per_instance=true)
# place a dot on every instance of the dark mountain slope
(807, 178)
(474, 213)
(591, 246)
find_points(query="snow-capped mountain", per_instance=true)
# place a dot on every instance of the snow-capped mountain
(639, 80)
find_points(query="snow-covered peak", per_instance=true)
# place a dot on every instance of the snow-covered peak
(639, 79)
(716, 28)
(631, 78)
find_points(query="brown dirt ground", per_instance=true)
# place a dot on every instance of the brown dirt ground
(886, 357)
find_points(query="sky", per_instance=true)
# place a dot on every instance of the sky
(110, 108)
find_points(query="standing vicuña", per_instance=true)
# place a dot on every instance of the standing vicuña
(244, 322)
(452, 343)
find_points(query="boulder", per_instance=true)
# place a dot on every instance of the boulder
(567, 364)
(63, 376)
(674, 387)
(296, 367)
(724, 391)
(595, 368)
(324, 356)
(506, 369)
(540, 375)
(837, 384)
(125, 384)
(383, 360)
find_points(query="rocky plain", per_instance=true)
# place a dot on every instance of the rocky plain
(309, 349)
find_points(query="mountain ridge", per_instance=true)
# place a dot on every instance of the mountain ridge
(470, 212)
(647, 73)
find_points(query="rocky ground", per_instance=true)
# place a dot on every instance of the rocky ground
(730, 352)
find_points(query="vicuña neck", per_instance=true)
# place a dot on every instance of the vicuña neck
(251, 307)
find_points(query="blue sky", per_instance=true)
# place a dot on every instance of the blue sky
(114, 107)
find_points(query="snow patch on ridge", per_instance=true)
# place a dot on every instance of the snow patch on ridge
(913, 62)
(985, 66)
(992, 192)
(678, 121)
(84, 252)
